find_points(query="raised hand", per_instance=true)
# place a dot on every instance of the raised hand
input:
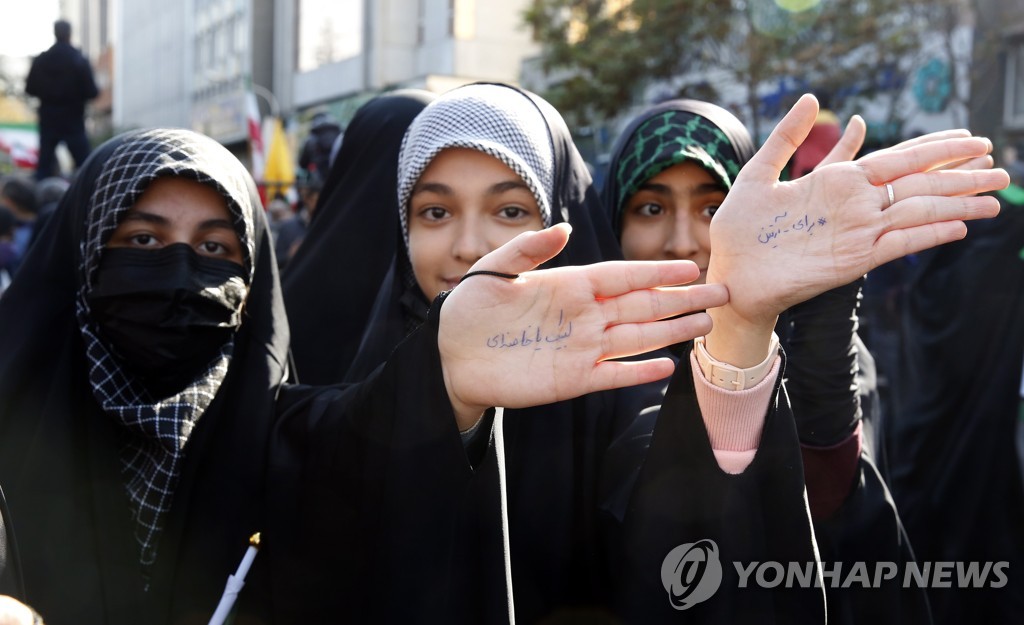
(547, 335)
(775, 244)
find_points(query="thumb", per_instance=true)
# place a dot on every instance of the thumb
(526, 251)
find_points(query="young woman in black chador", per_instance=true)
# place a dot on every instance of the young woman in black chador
(671, 170)
(330, 284)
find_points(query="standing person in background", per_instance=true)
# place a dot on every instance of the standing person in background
(62, 80)
(49, 191)
(316, 151)
(953, 465)
(18, 195)
(356, 224)
(292, 230)
(7, 257)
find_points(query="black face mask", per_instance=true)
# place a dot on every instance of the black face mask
(166, 312)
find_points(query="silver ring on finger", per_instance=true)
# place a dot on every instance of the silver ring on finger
(892, 195)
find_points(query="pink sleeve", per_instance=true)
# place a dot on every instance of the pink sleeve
(734, 419)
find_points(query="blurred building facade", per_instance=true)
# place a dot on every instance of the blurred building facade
(193, 63)
(340, 53)
(997, 85)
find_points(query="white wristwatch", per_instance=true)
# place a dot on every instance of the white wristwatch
(730, 377)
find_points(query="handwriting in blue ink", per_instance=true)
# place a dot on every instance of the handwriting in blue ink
(535, 337)
(804, 224)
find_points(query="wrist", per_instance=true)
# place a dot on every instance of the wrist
(724, 375)
(466, 414)
(736, 340)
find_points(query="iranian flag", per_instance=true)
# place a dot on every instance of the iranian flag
(256, 148)
(21, 143)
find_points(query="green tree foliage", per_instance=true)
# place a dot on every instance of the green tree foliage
(600, 55)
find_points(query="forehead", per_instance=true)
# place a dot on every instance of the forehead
(685, 174)
(182, 200)
(461, 162)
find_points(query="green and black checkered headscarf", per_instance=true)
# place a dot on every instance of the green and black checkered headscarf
(671, 133)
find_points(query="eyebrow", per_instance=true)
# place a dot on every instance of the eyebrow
(432, 187)
(137, 215)
(209, 224)
(495, 189)
(701, 189)
(216, 224)
(508, 185)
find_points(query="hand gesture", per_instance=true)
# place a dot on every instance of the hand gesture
(775, 244)
(548, 335)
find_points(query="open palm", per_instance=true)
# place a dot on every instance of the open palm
(547, 335)
(776, 244)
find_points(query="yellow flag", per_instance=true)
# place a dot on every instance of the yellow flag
(279, 174)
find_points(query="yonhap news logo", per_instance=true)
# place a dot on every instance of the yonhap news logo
(692, 573)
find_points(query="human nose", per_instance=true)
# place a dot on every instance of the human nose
(470, 244)
(682, 242)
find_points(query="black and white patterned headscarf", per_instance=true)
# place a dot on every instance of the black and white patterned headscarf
(493, 119)
(157, 428)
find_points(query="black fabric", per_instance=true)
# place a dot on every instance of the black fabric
(330, 284)
(316, 151)
(553, 452)
(166, 312)
(10, 566)
(682, 496)
(59, 452)
(953, 464)
(363, 508)
(830, 378)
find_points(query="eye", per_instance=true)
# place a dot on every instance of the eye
(650, 209)
(213, 248)
(513, 212)
(142, 240)
(710, 210)
(434, 213)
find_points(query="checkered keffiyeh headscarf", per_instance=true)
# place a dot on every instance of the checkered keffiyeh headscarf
(495, 120)
(668, 139)
(157, 428)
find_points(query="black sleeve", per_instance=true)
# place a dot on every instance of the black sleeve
(87, 81)
(819, 339)
(855, 519)
(366, 485)
(824, 356)
(684, 503)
